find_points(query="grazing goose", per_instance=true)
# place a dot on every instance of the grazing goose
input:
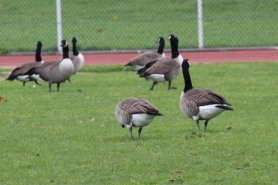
(200, 104)
(135, 112)
(18, 72)
(77, 58)
(55, 71)
(139, 61)
(164, 69)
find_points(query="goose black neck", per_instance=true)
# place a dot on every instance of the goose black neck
(174, 48)
(75, 52)
(187, 80)
(161, 47)
(38, 53)
(65, 52)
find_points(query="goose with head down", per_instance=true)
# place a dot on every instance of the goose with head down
(135, 112)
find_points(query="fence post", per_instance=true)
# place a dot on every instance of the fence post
(59, 24)
(200, 25)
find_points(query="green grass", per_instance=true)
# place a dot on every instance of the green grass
(121, 25)
(73, 137)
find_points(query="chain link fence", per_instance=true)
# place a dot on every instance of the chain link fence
(112, 25)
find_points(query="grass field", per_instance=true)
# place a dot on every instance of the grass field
(73, 137)
(120, 25)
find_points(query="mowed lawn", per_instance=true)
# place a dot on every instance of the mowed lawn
(73, 137)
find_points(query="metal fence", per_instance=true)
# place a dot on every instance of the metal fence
(110, 25)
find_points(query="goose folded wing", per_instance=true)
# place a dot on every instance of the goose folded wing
(204, 97)
(162, 66)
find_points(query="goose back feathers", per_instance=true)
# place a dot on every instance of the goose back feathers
(135, 112)
(139, 61)
(200, 104)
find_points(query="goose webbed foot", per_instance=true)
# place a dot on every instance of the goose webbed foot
(154, 83)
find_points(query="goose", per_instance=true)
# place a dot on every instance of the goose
(55, 71)
(77, 58)
(139, 61)
(18, 72)
(164, 69)
(200, 104)
(135, 112)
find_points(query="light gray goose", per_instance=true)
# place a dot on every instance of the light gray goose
(139, 61)
(135, 112)
(18, 72)
(55, 71)
(200, 104)
(164, 69)
(77, 58)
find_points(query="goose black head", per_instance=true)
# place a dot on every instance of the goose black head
(64, 43)
(185, 64)
(74, 40)
(171, 36)
(39, 43)
(160, 40)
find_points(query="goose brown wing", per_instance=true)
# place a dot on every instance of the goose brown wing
(23, 69)
(144, 58)
(203, 97)
(162, 66)
(44, 70)
(215, 97)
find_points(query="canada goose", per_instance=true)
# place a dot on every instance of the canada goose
(135, 112)
(200, 104)
(18, 72)
(77, 58)
(55, 71)
(164, 69)
(139, 61)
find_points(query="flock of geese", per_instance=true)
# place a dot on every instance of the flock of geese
(197, 104)
(54, 71)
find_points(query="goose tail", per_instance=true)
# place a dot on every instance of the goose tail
(154, 112)
(225, 107)
(128, 64)
(11, 77)
(141, 72)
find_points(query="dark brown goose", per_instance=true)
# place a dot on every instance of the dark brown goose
(164, 69)
(139, 61)
(135, 112)
(18, 72)
(55, 71)
(200, 104)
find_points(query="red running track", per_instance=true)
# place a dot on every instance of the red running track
(204, 56)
